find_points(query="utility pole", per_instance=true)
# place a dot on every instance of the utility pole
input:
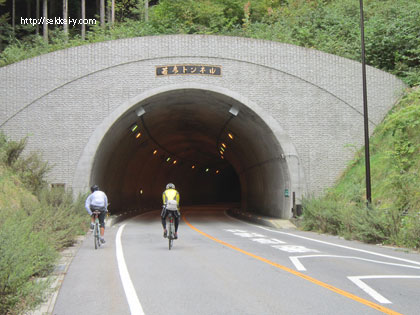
(365, 108)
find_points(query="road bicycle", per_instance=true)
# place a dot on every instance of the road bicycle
(96, 229)
(171, 230)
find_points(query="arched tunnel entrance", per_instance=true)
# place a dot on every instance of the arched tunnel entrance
(210, 145)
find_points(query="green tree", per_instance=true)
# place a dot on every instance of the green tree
(6, 31)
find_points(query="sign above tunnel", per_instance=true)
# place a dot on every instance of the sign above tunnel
(188, 69)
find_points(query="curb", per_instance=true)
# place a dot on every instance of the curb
(261, 220)
(57, 276)
(60, 270)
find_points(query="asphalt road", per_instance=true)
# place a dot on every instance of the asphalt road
(220, 265)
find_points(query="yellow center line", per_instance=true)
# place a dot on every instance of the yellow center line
(297, 273)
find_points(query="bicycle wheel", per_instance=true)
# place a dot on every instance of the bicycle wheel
(96, 236)
(171, 234)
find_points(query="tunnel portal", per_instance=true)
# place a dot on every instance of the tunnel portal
(211, 146)
(134, 114)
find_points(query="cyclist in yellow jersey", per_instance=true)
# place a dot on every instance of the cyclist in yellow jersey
(170, 199)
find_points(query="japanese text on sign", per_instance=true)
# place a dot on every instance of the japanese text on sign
(188, 69)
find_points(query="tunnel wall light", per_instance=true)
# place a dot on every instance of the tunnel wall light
(134, 127)
(231, 136)
(140, 111)
(234, 111)
(138, 135)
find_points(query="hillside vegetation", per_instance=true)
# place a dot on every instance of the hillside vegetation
(392, 28)
(394, 215)
(35, 224)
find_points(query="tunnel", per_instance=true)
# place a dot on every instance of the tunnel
(214, 148)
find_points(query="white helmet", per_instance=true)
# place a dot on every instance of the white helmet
(170, 186)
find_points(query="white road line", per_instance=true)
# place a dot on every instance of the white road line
(299, 266)
(378, 297)
(342, 246)
(130, 292)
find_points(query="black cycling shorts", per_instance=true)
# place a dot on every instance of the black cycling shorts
(101, 217)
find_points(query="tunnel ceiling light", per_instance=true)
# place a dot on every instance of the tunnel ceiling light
(207, 169)
(141, 191)
(221, 152)
(168, 159)
(230, 135)
(234, 111)
(138, 135)
(222, 149)
(222, 157)
(140, 111)
(174, 162)
(193, 167)
(217, 171)
(224, 145)
(154, 152)
(134, 127)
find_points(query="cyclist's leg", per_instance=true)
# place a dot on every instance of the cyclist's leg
(92, 219)
(175, 214)
(164, 215)
(102, 223)
(176, 224)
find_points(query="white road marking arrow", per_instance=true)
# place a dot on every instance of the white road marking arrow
(378, 297)
(299, 266)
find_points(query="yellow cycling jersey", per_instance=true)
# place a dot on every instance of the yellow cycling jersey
(170, 198)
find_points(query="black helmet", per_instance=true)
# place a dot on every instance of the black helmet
(94, 188)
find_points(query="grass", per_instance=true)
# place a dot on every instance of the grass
(36, 223)
(393, 218)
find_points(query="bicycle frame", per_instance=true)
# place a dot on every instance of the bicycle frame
(96, 230)
(171, 230)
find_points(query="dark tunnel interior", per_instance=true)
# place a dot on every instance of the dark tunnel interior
(212, 147)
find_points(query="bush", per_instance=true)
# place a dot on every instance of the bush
(33, 228)
(321, 215)
(393, 218)
(24, 255)
(30, 169)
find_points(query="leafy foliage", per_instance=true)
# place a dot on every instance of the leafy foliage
(394, 216)
(392, 28)
(33, 228)
(30, 169)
